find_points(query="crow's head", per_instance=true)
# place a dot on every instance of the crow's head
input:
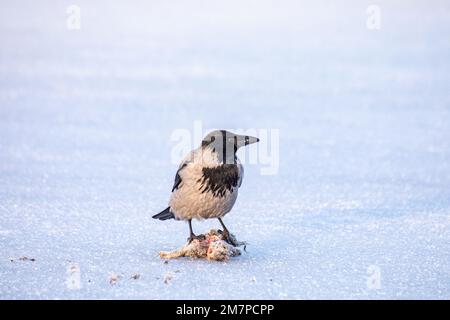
(226, 143)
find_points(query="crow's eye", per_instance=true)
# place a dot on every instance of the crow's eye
(247, 140)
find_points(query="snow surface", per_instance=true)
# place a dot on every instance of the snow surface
(86, 119)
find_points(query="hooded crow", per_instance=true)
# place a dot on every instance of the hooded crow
(207, 181)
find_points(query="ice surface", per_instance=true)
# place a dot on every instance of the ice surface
(86, 116)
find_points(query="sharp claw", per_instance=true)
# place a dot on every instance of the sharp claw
(226, 237)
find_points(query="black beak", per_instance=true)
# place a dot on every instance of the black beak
(250, 140)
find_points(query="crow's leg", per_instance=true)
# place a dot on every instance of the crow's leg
(225, 231)
(192, 236)
(226, 234)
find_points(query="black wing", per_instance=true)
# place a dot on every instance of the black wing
(177, 182)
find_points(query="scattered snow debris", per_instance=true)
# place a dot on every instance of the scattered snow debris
(254, 279)
(24, 258)
(73, 280)
(114, 278)
(212, 247)
(167, 277)
(73, 268)
(135, 276)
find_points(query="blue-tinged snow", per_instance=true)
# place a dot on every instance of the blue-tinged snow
(360, 207)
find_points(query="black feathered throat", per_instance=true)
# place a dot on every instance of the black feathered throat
(219, 179)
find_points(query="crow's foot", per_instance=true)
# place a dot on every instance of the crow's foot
(227, 237)
(192, 237)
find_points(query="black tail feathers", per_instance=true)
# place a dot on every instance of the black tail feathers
(164, 215)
